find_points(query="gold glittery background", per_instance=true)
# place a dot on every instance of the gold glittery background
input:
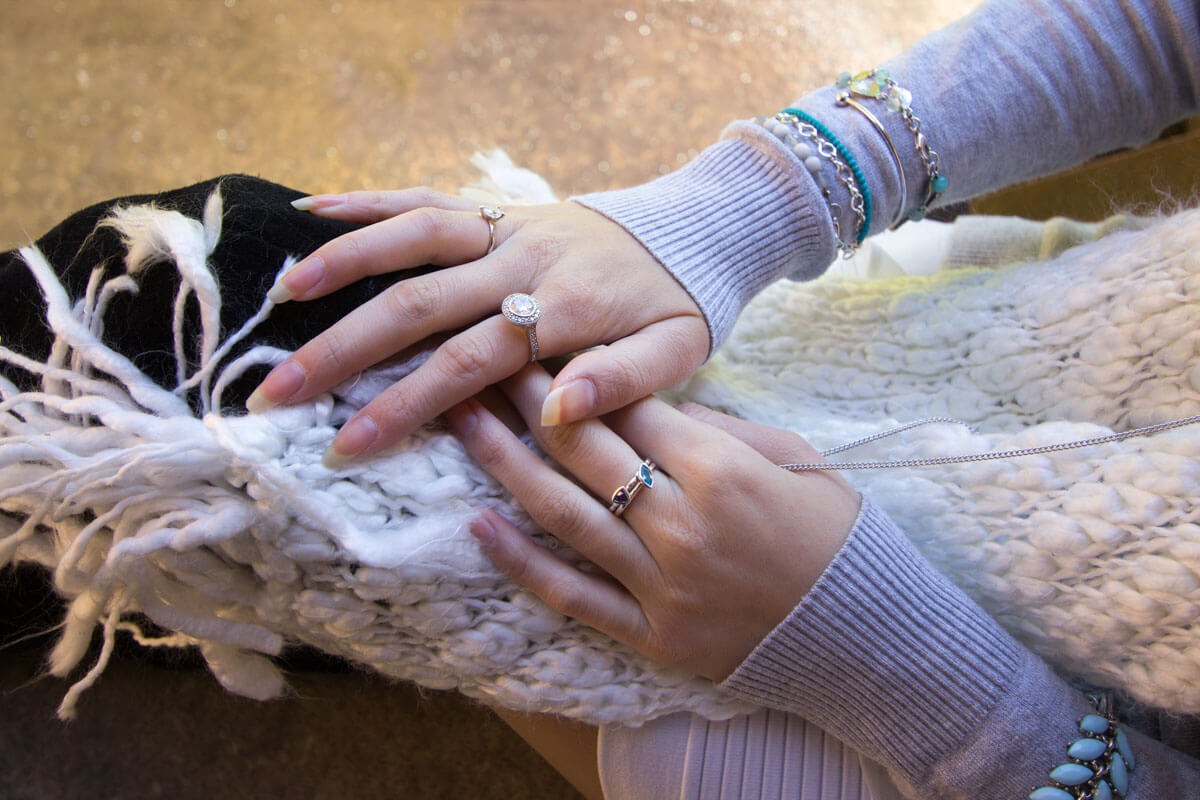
(109, 97)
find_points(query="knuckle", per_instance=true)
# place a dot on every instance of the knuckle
(542, 250)
(333, 352)
(708, 467)
(429, 223)
(424, 196)
(489, 449)
(575, 298)
(565, 594)
(564, 442)
(628, 373)
(467, 355)
(697, 411)
(349, 250)
(560, 514)
(413, 301)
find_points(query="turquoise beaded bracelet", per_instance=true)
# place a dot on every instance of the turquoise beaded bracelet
(859, 178)
(1099, 765)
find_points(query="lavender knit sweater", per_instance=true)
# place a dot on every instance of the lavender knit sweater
(884, 652)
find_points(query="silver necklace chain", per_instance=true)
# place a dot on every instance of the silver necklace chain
(1148, 430)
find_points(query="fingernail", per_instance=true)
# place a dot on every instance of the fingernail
(283, 382)
(257, 404)
(317, 201)
(483, 530)
(462, 418)
(572, 401)
(355, 436)
(299, 280)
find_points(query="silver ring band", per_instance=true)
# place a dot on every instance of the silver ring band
(490, 214)
(524, 311)
(624, 494)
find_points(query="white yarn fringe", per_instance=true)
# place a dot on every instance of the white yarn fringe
(228, 531)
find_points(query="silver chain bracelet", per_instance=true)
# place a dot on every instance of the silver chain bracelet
(844, 174)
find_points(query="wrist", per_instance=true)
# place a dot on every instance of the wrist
(737, 218)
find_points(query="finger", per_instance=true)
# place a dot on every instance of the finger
(658, 356)
(692, 440)
(592, 452)
(415, 238)
(401, 315)
(590, 599)
(554, 501)
(780, 446)
(366, 207)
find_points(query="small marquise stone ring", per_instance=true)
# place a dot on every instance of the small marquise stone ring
(523, 311)
(624, 495)
(490, 215)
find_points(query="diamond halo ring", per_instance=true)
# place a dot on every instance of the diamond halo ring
(524, 311)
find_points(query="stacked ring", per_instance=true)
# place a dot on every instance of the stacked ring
(625, 493)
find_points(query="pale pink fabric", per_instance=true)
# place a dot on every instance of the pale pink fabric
(767, 754)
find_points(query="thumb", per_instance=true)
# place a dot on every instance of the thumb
(608, 378)
(778, 445)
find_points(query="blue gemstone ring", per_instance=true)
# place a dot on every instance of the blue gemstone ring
(625, 493)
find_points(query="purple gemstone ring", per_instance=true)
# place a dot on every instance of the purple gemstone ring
(625, 493)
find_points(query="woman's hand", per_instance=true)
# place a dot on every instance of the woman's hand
(596, 284)
(704, 563)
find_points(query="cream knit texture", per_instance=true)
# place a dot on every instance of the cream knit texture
(228, 531)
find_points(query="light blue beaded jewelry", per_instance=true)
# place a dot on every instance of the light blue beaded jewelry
(877, 84)
(1100, 762)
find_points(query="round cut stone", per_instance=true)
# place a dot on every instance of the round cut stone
(521, 309)
(523, 305)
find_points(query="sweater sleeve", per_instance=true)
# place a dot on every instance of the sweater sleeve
(1015, 90)
(889, 656)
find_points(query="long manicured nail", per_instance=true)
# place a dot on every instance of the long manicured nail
(299, 280)
(462, 418)
(483, 530)
(318, 201)
(355, 436)
(283, 382)
(572, 401)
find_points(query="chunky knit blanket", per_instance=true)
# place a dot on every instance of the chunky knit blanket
(228, 533)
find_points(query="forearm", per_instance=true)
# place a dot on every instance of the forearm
(890, 657)
(1017, 89)
(1023, 88)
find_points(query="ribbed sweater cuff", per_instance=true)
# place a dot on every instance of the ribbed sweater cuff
(739, 216)
(885, 653)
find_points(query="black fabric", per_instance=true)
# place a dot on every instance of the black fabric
(260, 229)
